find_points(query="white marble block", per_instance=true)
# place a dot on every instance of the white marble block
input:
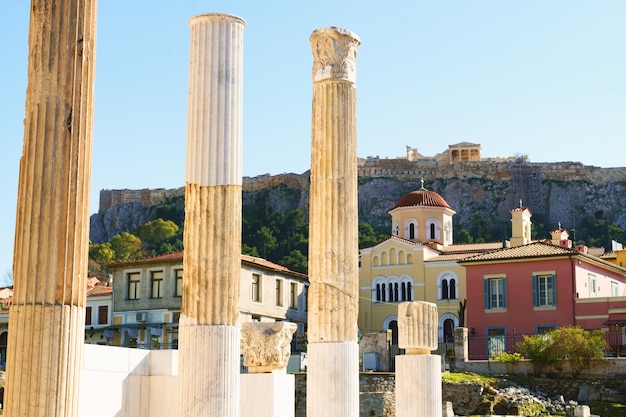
(418, 386)
(267, 395)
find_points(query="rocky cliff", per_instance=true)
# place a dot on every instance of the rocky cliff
(480, 191)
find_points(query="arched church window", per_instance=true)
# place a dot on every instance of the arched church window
(411, 231)
(378, 292)
(404, 291)
(452, 289)
(382, 292)
(395, 292)
(432, 230)
(448, 330)
(444, 290)
(409, 291)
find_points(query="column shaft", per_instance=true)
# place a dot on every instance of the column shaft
(51, 240)
(333, 234)
(209, 328)
(332, 371)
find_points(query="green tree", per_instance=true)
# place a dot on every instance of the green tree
(295, 261)
(126, 246)
(462, 236)
(101, 253)
(172, 209)
(157, 232)
(367, 235)
(292, 233)
(265, 241)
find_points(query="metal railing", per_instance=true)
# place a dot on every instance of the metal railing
(489, 347)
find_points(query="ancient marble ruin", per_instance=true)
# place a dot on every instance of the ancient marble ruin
(209, 323)
(418, 373)
(333, 352)
(267, 390)
(266, 347)
(52, 225)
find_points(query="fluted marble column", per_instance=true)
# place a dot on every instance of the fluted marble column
(333, 353)
(418, 373)
(209, 329)
(47, 317)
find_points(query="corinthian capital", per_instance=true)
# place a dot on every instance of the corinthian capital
(266, 346)
(334, 54)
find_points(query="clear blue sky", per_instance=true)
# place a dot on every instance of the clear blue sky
(542, 78)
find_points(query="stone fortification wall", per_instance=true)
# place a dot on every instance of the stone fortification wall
(493, 170)
(565, 192)
(145, 196)
(400, 169)
(149, 197)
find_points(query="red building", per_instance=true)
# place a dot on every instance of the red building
(533, 287)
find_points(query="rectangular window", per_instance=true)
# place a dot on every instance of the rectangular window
(279, 292)
(134, 282)
(293, 295)
(543, 329)
(156, 278)
(306, 298)
(544, 290)
(256, 288)
(495, 293)
(103, 315)
(178, 291)
(87, 316)
(614, 289)
(592, 286)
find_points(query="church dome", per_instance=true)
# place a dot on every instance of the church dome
(422, 197)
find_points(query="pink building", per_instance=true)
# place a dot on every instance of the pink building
(533, 287)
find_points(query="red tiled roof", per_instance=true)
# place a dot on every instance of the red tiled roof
(472, 247)
(168, 257)
(422, 197)
(450, 257)
(178, 257)
(99, 291)
(411, 242)
(531, 250)
(609, 255)
(269, 265)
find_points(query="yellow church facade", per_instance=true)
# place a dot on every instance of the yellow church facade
(418, 262)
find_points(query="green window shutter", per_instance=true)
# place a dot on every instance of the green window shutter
(535, 291)
(487, 298)
(553, 278)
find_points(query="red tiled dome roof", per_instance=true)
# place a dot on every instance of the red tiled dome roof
(422, 198)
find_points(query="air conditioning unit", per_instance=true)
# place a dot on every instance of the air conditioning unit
(141, 317)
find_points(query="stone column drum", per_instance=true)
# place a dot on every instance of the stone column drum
(47, 319)
(333, 362)
(418, 373)
(209, 328)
